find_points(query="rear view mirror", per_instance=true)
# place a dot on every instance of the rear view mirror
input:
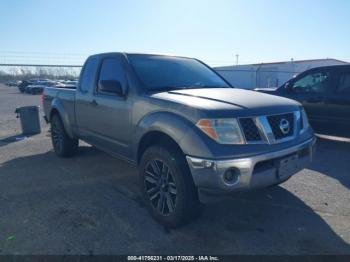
(110, 86)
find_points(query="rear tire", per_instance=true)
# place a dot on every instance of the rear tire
(63, 145)
(167, 187)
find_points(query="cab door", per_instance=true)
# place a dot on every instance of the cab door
(111, 111)
(338, 103)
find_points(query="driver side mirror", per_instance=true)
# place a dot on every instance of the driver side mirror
(113, 87)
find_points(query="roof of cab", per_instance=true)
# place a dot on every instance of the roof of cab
(332, 67)
(101, 55)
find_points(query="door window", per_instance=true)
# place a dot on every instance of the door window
(112, 69)
(312, 83)
(344, 84)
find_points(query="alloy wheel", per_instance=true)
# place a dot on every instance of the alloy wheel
(57, 135)
(160, 187)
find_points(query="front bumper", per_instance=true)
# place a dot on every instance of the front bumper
(210, 176)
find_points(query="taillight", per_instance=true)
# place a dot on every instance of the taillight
(42, 98)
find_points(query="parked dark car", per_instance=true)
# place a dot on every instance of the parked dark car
(192, 135)
(37, 87)
(22, 86)
(325, 94)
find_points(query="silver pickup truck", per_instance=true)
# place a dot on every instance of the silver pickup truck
(192, 135)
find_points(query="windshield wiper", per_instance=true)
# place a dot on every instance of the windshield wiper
(172, 88)
(204, 86)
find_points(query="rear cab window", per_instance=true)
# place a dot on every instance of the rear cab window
(88, 75)
(343, 84)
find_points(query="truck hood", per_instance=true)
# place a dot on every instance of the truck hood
(228, 100)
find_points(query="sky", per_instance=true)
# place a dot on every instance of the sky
(213, 31)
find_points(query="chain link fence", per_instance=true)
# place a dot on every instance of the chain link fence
(16, 66)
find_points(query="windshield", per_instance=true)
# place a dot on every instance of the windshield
(166, 73)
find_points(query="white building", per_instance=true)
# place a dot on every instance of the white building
(270, 74)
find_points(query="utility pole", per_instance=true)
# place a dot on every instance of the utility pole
(237, 59)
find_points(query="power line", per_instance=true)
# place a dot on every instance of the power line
(39, 65)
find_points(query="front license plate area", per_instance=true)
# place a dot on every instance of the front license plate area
(287, 166)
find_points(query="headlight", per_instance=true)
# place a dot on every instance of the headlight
(305, 120)
(224, 130)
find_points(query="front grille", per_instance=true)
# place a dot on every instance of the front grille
(275, 123)
(301, 122)
(250, 130)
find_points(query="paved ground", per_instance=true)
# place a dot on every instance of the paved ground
(89, 204)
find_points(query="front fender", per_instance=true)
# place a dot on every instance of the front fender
(57, 105)
(190, 139)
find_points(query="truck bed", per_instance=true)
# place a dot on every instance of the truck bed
(64, 96)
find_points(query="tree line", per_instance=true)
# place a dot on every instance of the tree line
(29, 72)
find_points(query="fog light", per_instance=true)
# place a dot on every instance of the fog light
(231, 176)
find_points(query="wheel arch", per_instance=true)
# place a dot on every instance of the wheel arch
(169, 129)
(156, 138)
(58, 109)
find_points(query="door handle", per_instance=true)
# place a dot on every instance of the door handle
(94, 103)
(315, 100)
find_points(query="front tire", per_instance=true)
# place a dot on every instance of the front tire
(167, 187)
(63, 145)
